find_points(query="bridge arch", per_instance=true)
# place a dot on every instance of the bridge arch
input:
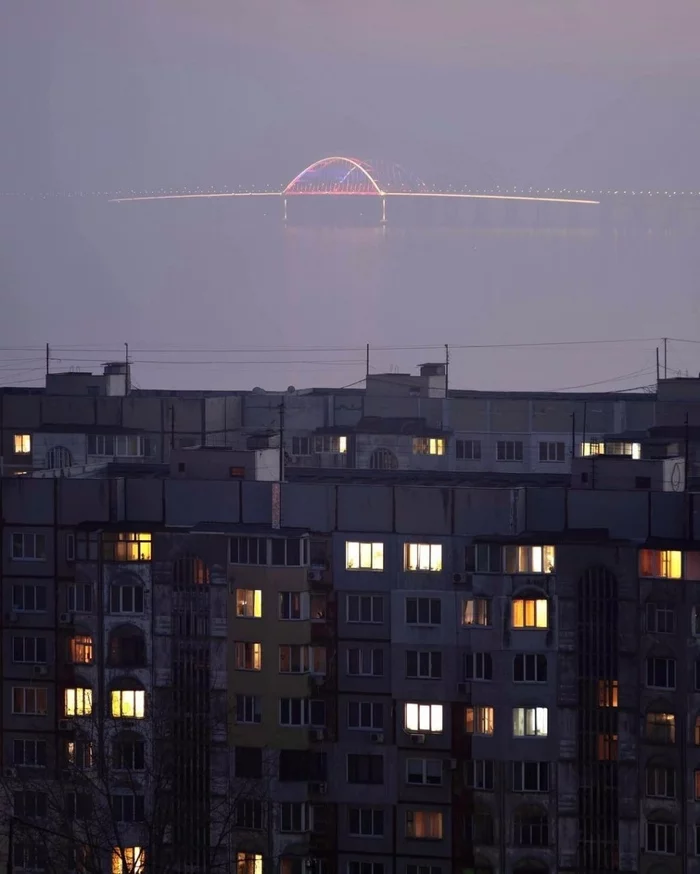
(351, 163)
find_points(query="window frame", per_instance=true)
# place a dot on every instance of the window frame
(359, 598)
(509, 450)
(433, 606)
(19, 550)
(418, 563)
(249, 604)
(425, 765)
(479, 720)
(477, 667)
(428, 664)
(532, 662)
(38, 692)
(521, 781)
(462, 444)
(480, 606)
(369, 556)
(426, 715)
(531, 717)
(526, 613)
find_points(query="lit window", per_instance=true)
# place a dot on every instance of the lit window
(23, 444)
(660, 727)
(248, 656)
(529, 722)
(249, 603)
(364, 556)
(330, 443)
(80, 649)
(529, 559)
(249, 863)
(128, 704)
(423, 557)
(428, 446)
(126, 546)
(529, 613)
(607, 693)
(128, 860)
(423, 718)
(424, 824)
(78, 702)
(479, 720)
(661, 563)
(592, 449)
(476, 611)
(606, 747)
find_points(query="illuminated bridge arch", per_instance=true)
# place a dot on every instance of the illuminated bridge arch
(336, 175)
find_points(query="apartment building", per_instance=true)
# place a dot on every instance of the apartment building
(352, 678)
(399, 424)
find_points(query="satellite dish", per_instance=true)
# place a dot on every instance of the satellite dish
(290, 389)
(676, 478)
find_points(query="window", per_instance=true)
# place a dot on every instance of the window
(530, 667)
(128, 704)
(29, 804)
(607, 693)
(531, 829)
(248, 550)
(428, 446)
(70, 547)
(129, 755)
(80, 754)
(606, 747)
(29, 650)
(294, 816)
(423, 665)
(423, 557)
(661, 782)
(127, 808)
(423, 611)
(529, 613)
(509, 450)
(22, 444)
(127, 598)
(249, 813)
(552, 451)
(476, 611)
(80, 598)
(120, 445)
(29, 753)
(293, 605)
(80, 649)
(248, 656)
(479, 829)
(249, 603)
(28, 547)
(365, 715)
(364, 556)
(479, 720)
(29, 700)
(470, 450)
(301, 446)
(424, 824)
(365, 768)
(696, 784)
(365, 608)
(129, 860)
(77, 701)
(248, 709)
(247, 863)
(365, 662)
(366, 822)
(661, 563)
(486, 558)
(661, 673)
(28, 598)
(529, 559)
(424, 772)
(29, 857)
(126, 546)
(661, 837)
(530, 776)
(530, 722)
(660, 618)
(478, 666)
(479, 774)
(424, 869)
(592, 449)
(660, 727)
(301, 659)
(248, 762)
(331, 443)
(423, 718)
(301, 712)
(289, 551)
(365, 868)
(127, 647)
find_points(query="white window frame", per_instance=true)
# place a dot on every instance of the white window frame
(360, 600)
(296, 817)
(478, 607)
(483, 720)
(301, 446)
(242, 650)
(333, 444)
(428, 664)
(285, 601)
(27, 546)
(364, 555)
(30, 649)
(429, 446)
(33, 744)
(481, 667)
(22, 444)
(670, 670)
(520, 781)
(534, 722)
(423, 558)
(248, 603)
(27, 693)
(363, 867)
(532, 609)
(434, 606)
(421, 718)
(552, 451)
(366, 662)
(428, 770)
(463, 444)
(248, 709)
(665, 829)
(659, 616)
(528, 559)
(378, 822)
(75, 599)
(658, 775)
(479, 774)
(366, 709)
(433, 816)
(23, 588)
(311, 659)
(530, 662)
(509, 450)
(304, 706)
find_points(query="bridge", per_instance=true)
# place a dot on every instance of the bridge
(339, 176)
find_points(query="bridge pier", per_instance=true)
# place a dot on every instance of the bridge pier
(285, 208)
(383, 219)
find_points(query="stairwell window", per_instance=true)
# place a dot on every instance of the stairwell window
(423, 557)
(422, 718)
(529, 613)
(426, 825)
(607, 693)
(660, 727)
(428, 446)
(509, 450)
(364, 556)
(530, 721)
(661, 563)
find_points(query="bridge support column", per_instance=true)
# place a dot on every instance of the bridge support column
(285, 208)
(383, 210)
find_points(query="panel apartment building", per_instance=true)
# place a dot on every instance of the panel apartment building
(350, 678)
(399, 424)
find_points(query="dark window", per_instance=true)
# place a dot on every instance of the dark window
(479, 774)
(248, 550)
(29, 804)
(478, 666)
(129, 755)
(485, 558)
(127, 808)
(127, 649)
(248, 762)
(365, 768)
(530, 668)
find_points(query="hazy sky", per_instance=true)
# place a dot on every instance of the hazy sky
(107, 95)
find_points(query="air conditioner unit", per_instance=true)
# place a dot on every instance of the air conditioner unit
(319, 734)
(314, 576)
(418, 738)
(377, 737)
(318, 788)
(41, 670)
(9, 773)
(65, 618)
(64, 725)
